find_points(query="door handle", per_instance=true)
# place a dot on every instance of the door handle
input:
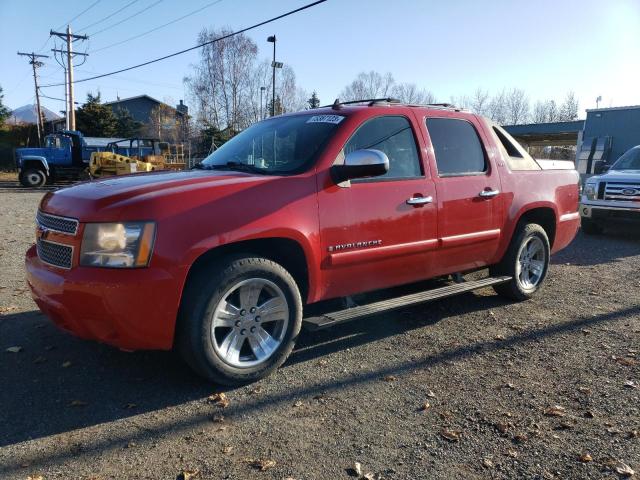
(489, 193)
(419, 200)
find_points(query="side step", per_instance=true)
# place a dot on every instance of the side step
(330, 319)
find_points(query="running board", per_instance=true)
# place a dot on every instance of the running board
(330, 319)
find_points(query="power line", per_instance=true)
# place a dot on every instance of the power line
(136, 80)
(126, 19)
(80, 14)
(157, 28)
(108, 16)
(175, 54)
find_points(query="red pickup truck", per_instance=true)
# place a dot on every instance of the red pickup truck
(220, 262)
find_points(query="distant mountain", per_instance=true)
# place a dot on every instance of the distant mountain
(27, 114)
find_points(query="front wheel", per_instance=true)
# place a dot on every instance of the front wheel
(33, 177)
(526, 261)
(239, 322)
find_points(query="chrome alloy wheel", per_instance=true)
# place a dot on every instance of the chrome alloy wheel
(531, 263)
(250, 322)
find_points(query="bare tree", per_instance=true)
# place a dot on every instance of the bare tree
(552, 111)
(164, 124)
(221, 81)
(517, 105)
(462, 101)
(480, 102)
(497, 108)
(410, 93)
(540, 112)
(368, 85)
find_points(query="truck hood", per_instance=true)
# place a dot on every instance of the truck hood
(150, 195)
(26, 151)
(620, 176)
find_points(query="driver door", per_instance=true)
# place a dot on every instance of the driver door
(374, 234)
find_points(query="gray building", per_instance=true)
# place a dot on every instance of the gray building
(140, 107)
(600, 139)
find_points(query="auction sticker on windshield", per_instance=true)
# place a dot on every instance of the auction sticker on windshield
(326, 119)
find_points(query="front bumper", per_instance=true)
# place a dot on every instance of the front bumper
(606, 213)
(132, 309)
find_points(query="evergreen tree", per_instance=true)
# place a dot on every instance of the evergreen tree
(126, 126)
(96, 120)
(314, 101)
(4, 111)
(279, 110)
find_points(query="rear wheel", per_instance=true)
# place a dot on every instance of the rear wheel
(526, 261)
(589, 227)
(33, 177)
(238, 323)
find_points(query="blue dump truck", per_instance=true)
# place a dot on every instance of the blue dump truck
(65, 156)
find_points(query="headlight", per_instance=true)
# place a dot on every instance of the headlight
(119, 245)
(590, 191)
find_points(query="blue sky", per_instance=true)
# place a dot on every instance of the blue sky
(546, 47)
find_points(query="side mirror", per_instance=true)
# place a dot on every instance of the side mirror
(600, 167)
(361, 164)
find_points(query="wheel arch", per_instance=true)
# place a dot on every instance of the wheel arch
(545, 216)
(35, 162)
(284, 251)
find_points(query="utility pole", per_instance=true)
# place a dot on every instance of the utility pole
(70, 38)
(262, 89)
(35, 64)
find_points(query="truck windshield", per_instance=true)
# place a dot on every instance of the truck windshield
(629, 161)
(281, 145)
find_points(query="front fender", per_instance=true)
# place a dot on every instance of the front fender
(34, 158)
(304, 239)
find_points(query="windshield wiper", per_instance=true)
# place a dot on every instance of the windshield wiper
(239, 166)
(199, 166)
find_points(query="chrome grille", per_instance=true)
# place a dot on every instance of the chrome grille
(57, 224)
(622, 191)
(55, 254)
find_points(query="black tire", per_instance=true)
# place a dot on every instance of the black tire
(33, 177)
(589, 227)
(204, 292)
(516, 288)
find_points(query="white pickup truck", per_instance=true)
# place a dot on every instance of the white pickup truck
(612, 196)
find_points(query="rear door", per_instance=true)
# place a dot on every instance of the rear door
(470, 207)
(380, 231)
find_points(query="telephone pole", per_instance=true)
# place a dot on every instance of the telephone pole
(35, 64)
(70, 38)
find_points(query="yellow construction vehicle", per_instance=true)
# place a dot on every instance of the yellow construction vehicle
(129, 155)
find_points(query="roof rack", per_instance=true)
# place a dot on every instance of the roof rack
(337, 104)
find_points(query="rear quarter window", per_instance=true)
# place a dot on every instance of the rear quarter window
(514, 154)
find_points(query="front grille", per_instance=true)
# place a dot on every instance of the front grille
(622, 191)
(57, 224)
(55, 254)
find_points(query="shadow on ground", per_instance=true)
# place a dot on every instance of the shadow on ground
(54, 369)
(38, 385)
(36, 396)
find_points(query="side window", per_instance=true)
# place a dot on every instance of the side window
(457, 147)
(392, 135)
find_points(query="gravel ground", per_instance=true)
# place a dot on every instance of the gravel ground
(468, 387)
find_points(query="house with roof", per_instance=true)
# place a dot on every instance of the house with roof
(142, 107)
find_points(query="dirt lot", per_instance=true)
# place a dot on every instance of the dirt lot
(470, 387)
